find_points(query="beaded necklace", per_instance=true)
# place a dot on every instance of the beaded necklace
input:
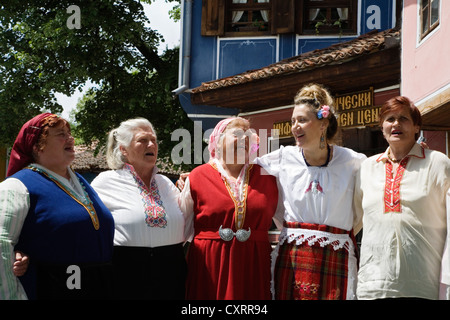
(240, 201)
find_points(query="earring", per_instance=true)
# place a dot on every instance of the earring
(322, 141)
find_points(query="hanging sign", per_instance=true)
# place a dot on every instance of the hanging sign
(356, 109)
(284, 129)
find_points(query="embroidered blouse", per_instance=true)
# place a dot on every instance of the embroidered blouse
(320, 195)
(143, 217)
(405, 218)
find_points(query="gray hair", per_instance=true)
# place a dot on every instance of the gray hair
(122, 136)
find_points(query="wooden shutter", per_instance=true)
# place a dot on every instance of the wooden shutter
(283, 12)
(213, 17)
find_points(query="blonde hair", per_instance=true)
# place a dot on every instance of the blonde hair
(315, 96)
(122, 136)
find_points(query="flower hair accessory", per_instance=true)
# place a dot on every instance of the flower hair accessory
(254, 143)
(323, 112)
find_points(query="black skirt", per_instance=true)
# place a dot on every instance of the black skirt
(45, 281)
(149, 273)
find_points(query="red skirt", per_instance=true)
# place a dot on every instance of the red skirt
(312, 272)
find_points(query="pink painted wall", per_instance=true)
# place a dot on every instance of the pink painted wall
(425, 64)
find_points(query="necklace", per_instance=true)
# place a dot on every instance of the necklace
(240, 203)
(240, 206)
(394, 160)
(86, 203)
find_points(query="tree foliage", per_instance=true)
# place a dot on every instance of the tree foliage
(115, 48)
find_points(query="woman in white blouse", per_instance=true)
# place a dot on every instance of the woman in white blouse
(404, 195)
(148, 260)
(316, 256)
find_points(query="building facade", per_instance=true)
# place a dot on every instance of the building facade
(425, 66)
(250, 57)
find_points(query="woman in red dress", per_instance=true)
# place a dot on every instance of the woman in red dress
(233, 204)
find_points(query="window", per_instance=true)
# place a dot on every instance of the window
(260, 17)
(247, 16)
(429, 16)
(329, 17)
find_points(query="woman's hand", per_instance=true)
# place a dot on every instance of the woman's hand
(20, 266)
(181, 180)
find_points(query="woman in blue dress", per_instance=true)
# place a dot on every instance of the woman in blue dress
(52, 215)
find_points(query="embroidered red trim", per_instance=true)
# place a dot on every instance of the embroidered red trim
(392, 200)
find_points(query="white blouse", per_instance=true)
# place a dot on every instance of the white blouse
(405, 225)
(121, 194)
(320, 195)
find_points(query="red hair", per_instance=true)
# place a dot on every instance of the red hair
(398, 103)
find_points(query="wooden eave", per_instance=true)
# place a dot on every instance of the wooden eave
(377, 70)
(376, 67)
(437, 119)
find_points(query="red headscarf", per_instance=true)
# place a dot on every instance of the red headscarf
(22, 151)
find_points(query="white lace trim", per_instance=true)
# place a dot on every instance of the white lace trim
(311, 237)
(338, 241)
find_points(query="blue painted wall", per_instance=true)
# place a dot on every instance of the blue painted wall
(213, 58)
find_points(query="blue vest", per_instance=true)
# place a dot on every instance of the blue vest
(58, 230)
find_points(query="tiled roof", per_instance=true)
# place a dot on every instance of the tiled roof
(86, 161)
(335, 54)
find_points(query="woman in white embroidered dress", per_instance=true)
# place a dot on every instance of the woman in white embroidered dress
(404, 195)
(148, 260)
(316, 256)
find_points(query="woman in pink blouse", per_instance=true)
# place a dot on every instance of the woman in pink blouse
(403, 193)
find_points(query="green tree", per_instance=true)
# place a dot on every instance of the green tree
(114, 47)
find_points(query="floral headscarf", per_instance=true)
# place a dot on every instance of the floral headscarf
(215, 135)
(214, 138)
